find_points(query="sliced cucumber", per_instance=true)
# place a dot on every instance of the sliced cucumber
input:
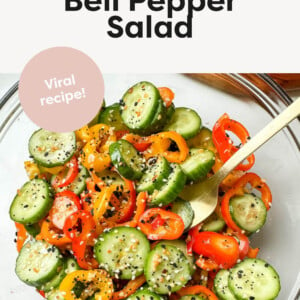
(167, 269)
(213, 223)
(202, 140)
(55, 295)
(158, 122)
(170, 112)
(71, 265)
(122, 252)
(51, 149)
(126, 159)
(32, 203)
(94, 121)
(78, 185)
(157, 171)
(170, 190)
(193, 297)
(181, 245)
(112, 117)
(198, 164)
(221, 286)
(144, 294)
(56, 280)
(248, 212)
(33, 229)
(254, 279)
(184, 121)
(184, 210)
(139, 105)
(38, 262)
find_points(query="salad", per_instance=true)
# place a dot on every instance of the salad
(101, 216)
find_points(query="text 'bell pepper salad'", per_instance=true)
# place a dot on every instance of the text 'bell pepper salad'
(101, 216)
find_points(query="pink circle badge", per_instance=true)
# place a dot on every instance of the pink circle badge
(61, 89)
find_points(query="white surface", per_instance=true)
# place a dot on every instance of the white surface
(6, 82)
(275, 161)
(257, 36)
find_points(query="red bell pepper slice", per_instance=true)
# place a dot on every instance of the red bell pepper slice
(171, 229)
(42, 293)
(193, 232)
(220, 248)
(244, 245)
(207, 264)
(166, 95)
(197, 289)
(80, 226)
(252, 253)
(224, 143)
(238, 189)
(65, 203)
(67, 175)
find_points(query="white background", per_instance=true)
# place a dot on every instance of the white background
(258, 36)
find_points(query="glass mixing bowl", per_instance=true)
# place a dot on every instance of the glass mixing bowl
(256, 100)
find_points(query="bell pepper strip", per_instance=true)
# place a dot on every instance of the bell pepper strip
(96, 282)
(196, 290)
(65, 203)
(220, 248)
(141, 144)
(141, 202)
(244, 246)
(224, 144)
(238, 189)
(21, 236)
(121, 133)
(67, 175)
(166, 95)
(42, 293)
(84, 254)
(171, 229)
(51, 236)
(131, 287)
(252, 252)
(32, 169)
(80, 226)
(160, 146)
(207, 264)
(83, 134)
(193, 232)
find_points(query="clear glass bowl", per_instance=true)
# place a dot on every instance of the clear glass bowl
(256, 101)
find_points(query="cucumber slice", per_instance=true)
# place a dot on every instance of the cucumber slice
(32, 203)
(170, 190)
(78, 185)
(126, 159)
(202, 140)
(166, 269)
(184, 121)
(51, 149)
(181, 245)
(110, 177)
(248, 212)
(33, 229)
(184, 210)
(213, 223)
(221, 286)
(254, 279)
(193, 297)
(55, 295)
(170, 112)
(139, 105)
(198, 164)
(38, 262)
(56, 280)
(112, 117)
(144, 294)
(94, 121)
(158, 122)
(157, 171)
(122, 251)
(71, 265)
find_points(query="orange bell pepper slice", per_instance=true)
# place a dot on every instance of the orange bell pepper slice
(166, 95)
(197, 289)
(21, 235)
(94, 280)
(130, 288)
